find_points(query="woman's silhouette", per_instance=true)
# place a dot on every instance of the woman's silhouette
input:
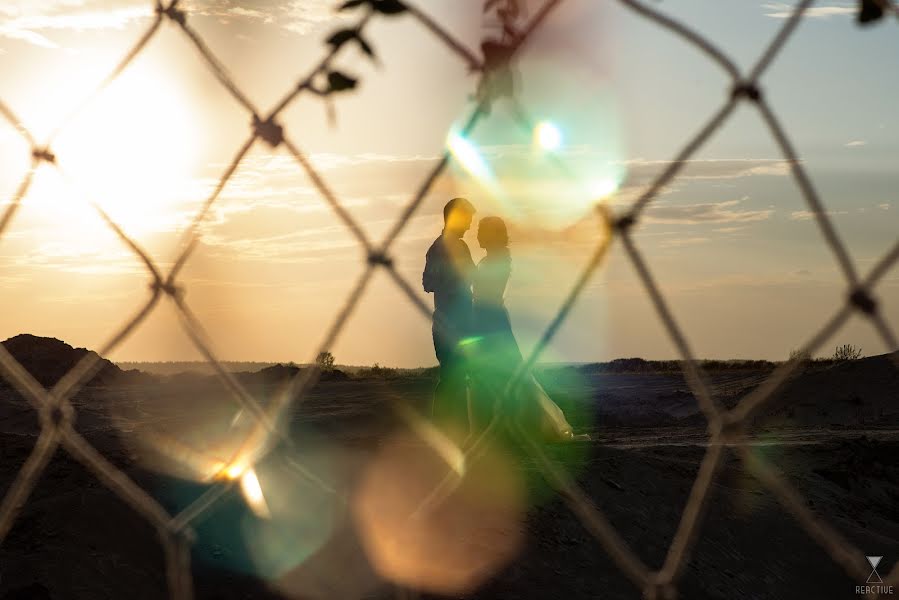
(494, 353)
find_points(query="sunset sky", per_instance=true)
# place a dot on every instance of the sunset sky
(731, 241)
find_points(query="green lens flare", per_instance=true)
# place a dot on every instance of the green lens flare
(474, 339)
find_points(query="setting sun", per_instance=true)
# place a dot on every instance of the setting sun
(133, 150)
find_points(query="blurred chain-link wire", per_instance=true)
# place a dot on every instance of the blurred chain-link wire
(727, 428)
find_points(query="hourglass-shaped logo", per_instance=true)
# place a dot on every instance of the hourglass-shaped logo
(874, 577)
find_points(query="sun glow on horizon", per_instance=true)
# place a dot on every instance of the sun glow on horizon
(133, 150)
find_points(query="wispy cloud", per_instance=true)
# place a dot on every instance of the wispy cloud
(856, 143)
(298, 16)
(271, 211)
(319, 244)
(728, 211)
(780, 10)
(680, 242)
(641, 170)
(805, 215)
(34, 22)
(69, 257)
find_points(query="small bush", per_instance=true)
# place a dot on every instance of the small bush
(378, 372)
(325, 361)
(847, 352)
(801, 356)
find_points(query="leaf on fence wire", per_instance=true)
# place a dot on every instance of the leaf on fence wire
(869, 11)
(385, 7)
(340, 82)
(499, 78)
(365, 47)
(341, 37)
(496, 54)
(389, 7)
(508, 12)
(352, 4)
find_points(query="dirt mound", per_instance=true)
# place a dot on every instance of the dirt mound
(48, 359)
(849, 393)
(277, 374)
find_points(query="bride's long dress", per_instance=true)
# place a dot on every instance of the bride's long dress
(495, 357)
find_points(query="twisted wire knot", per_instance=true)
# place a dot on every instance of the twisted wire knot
(747, 89)
(58, 414)
(862, 300)
(173, 13)
(658, 590)
(166, 287)
(44, 154)
(268, 130)
(181, 532)
(380, 258)
(728, 429)
(624, 223)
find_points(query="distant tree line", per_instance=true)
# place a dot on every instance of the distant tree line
(842, 353)
(641, 365)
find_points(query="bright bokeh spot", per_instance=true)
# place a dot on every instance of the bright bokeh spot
(544, 163)
(468, 156)
(449, 546)
(252, 493)
(604, 188)
(548, 136)
(235, 470)
(291, 494)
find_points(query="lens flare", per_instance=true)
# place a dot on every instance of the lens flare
(552, 153)
(283, 511)
(252, 493)
(294, 516)
(432, 436)
(466, 153)
(453, 546)
(603, 188)
(235, 470)
(547, 136)
(469, 341)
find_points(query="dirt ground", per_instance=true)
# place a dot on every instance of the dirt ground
(75, 539)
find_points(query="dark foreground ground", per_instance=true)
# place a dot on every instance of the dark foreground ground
(74, 539)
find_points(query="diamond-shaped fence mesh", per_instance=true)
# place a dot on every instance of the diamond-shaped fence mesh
(727, 428)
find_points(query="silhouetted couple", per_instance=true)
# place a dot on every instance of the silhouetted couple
(473, 338)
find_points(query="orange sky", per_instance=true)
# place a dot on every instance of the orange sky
(731, 241)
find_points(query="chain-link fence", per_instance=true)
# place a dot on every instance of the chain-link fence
(728, 431)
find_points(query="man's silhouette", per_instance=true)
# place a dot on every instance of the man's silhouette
(448, 271)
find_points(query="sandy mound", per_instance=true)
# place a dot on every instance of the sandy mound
(48, 359)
